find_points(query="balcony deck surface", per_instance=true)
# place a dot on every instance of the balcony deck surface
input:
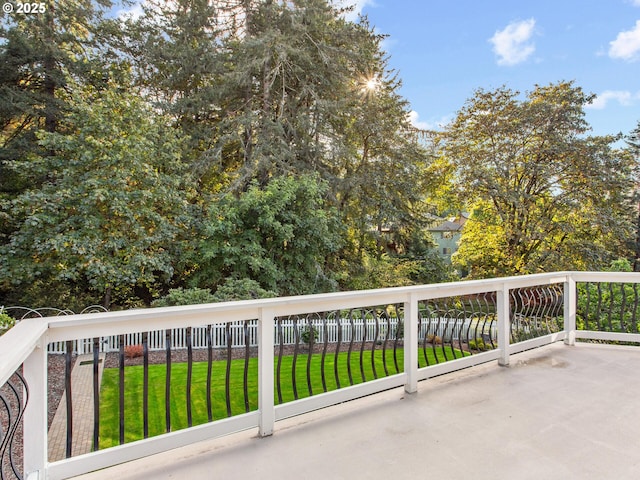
(556, 412)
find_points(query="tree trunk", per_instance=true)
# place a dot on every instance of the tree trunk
(106, 300)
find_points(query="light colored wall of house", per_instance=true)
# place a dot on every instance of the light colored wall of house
(446, 240)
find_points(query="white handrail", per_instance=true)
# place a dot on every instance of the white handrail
(17, 344)
(23, 344)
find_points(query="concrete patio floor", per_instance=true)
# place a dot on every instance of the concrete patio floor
(556, 412)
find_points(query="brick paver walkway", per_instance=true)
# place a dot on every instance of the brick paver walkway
(82, 402)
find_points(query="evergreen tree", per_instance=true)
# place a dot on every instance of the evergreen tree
(633, 142)
(39, 54)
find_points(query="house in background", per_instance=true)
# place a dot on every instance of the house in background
(447, 235)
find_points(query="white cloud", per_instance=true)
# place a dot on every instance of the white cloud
(626, 46)
(135, 11)
(414, 120)
(623, 97)
(512, 45)
(357, 4)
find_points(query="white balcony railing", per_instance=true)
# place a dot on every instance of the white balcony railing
(26, 346)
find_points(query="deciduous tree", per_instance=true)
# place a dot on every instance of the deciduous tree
(279, 236)
(546, 195)
(109, 218)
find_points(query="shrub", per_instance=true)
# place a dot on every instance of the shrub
(181, 296)
(6, 322)
(241, 289)
(308, 334)
(133, 351)
(477, 344)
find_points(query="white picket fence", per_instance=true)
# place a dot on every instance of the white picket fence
(446, 328)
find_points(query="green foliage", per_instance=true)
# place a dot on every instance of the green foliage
(38, 56)
(278, 236)
(477, 344)
(113, 210)
(610, 307)
(378, 272)
(176, 56)
(6, 322)
(544, 195)
(241, 289)
(181, 296)
(222, 97)
(308, 334)
(620, 265)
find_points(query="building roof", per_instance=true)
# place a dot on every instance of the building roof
(449, 225)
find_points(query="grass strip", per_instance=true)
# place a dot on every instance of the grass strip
(134, 377)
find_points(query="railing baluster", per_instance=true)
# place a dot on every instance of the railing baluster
(294, 383)
(247, 346)
(376, 332)
(325, 346)
(189, 375)
(588, 307)
(96, 393)
(353, 334)
(336, 373)
(279, 364)
(227, 380)
(460, 328)
(387, 333)
(634, 321)
(69, 402)
(364, 315)
(492, 317)
(121, 387)
(623, 306)
(438, 312)
(515, 324)
(443, 331)
(537, 309)
(145, 384)
(8, 438)
(312, 334)
(599, 306)
(167, 389)
(399, 335)
(209, 335)
(611, 302)
(472, 325)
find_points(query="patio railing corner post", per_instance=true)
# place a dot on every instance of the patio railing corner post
(411, 343)
(266, 344)
(570, 310)
(35, 413)
(503, 309)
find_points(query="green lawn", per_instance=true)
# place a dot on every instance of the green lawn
(109, 394)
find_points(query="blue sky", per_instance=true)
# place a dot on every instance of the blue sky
(446, 49)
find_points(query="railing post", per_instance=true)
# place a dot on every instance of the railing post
(34, 370)
(504, 324)
(570, 309)
(266, 326)
(411, 343)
